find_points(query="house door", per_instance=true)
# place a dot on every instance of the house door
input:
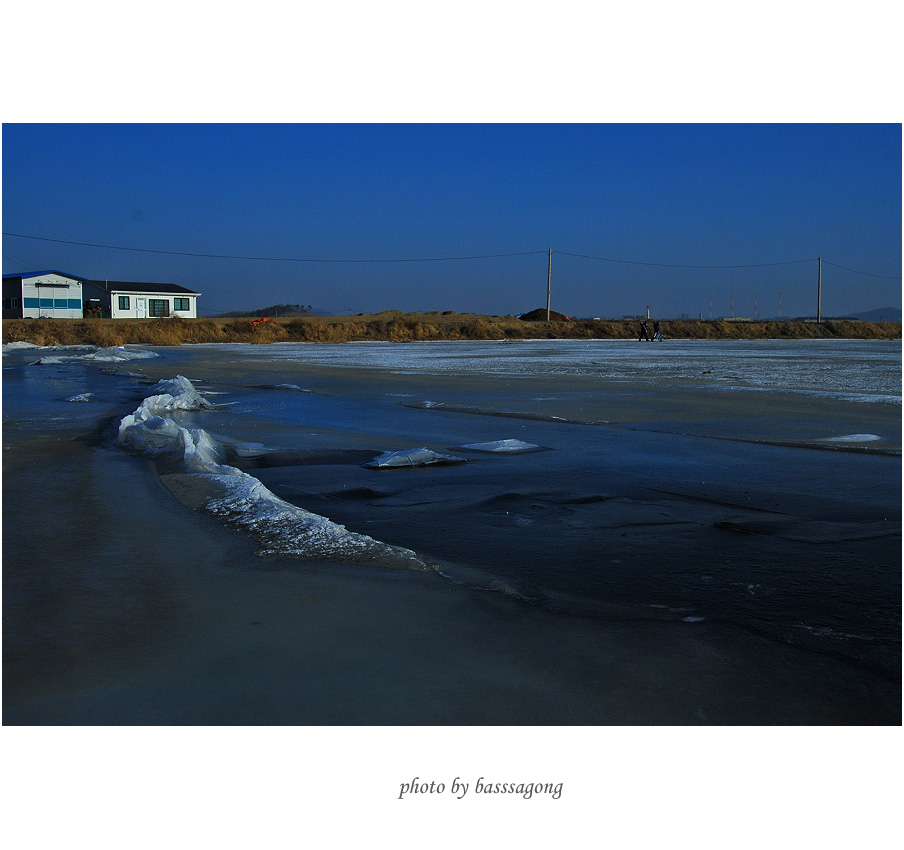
(141, 307)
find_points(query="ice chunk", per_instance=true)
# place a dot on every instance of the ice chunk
(119, 354)
(150, 430)
(114, 354)
(292, 387)
(160, 435)
(413, 457)
(148, 433)
(242, 500)
(123, 373)
(177, 394)
(852, 438)
(202, 453)
(170, 396)
(81, 397)
(286, 529)
(248, 449)
(502, 446)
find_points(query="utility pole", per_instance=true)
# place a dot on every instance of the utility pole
(780, 305)
(548, 283)
(648, 312)
(756, 309)
(819, 294)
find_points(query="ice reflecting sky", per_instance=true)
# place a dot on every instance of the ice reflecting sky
(867, 370)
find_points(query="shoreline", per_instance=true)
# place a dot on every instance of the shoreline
(396, 326)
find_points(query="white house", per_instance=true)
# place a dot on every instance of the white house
(51, 294)
(54, 294)
(127, 300)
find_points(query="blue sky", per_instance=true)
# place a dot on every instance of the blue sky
(667, 194)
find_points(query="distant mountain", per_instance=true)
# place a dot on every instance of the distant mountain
(274, 310)
(883, 314)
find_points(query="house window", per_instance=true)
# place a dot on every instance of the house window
(123, 302)
(181, 304)
(159, 307)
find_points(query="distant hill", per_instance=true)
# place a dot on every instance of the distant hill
(276, 310)
(883, 314)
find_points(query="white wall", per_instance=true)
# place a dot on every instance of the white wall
(135, 298)
(39, 298)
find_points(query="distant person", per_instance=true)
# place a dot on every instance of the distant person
(657, 331)
(643, 332)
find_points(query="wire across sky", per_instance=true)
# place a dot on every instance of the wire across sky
(435, 259)
(422, 217)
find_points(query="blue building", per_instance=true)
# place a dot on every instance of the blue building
(51, 293)
(58, 295)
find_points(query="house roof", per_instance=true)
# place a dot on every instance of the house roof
(47, 271)
(114, 285)
(132, 286)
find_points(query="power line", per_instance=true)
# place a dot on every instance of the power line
(23, 263)
(683, 266)
(270, 259)
(868, 274)
(434, 259)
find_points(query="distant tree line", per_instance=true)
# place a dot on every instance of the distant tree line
(274, 311)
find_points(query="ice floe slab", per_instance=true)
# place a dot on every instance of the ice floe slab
(81, 397)
(119, 354)
(248, 449)
(511, 446)
(113, 354)
(294, 388)
(413, 457)
(852, 438)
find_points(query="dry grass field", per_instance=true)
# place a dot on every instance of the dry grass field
(397, 326)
